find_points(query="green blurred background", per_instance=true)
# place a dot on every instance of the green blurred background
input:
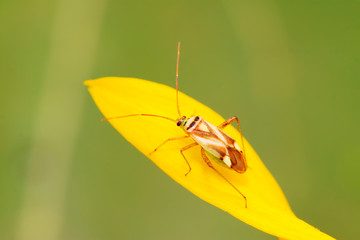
(288, 69)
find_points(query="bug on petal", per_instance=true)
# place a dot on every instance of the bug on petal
(209, 137)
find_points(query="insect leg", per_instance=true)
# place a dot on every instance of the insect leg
(168, 140)
(184, 149)
(228, 122)
(206, 159)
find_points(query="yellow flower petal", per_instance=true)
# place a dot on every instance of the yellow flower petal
(267, 208)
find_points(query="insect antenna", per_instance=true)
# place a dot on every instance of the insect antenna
(139, 115)
(177, 80)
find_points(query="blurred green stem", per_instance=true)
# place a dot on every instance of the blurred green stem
(71, 56)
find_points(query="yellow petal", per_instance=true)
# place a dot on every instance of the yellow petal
(267, 208)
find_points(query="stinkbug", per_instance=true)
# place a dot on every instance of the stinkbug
(209, 137)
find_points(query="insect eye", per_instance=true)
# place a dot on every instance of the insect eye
(179, 123)
(197, 118)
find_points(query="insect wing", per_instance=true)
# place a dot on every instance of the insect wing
(210, 143)
(220, 134)
(220, 145)
(238, 160)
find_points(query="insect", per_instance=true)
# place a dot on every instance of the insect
(209, 137)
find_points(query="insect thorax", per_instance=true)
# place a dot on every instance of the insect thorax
(189, 124)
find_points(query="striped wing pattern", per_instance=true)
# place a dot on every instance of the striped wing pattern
(219, 144)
